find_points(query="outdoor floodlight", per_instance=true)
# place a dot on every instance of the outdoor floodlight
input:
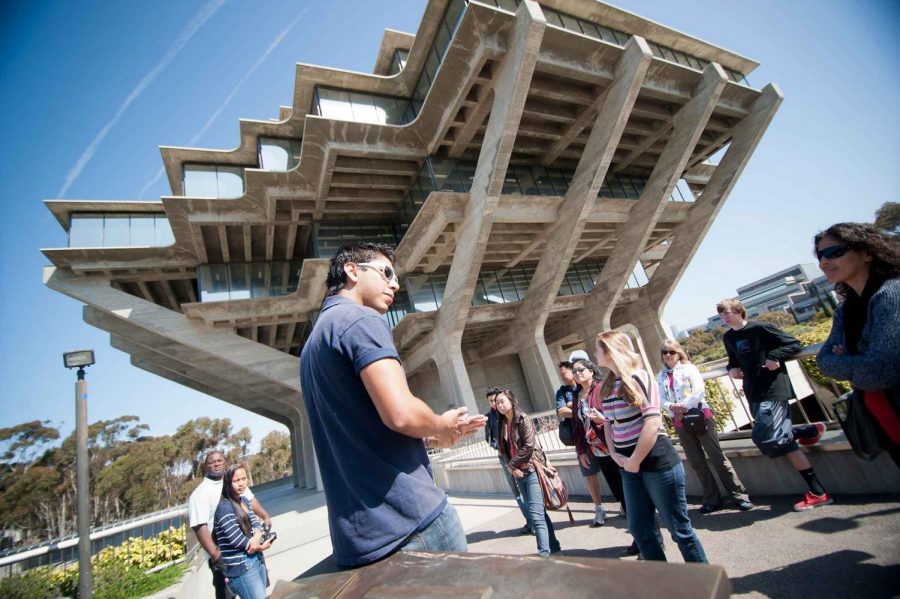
(78, 359)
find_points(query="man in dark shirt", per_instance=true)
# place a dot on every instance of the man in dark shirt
(756, 354)
(367, 427)
(491, 435)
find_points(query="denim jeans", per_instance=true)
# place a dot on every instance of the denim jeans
(662, 491)
(444, 534)
(530, 490)
(515, 489)
(252, 583)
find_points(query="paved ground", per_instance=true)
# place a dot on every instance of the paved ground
(849, 549)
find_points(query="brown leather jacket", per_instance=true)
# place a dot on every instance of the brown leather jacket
(524, 440)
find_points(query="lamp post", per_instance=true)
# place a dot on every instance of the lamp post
(81, 359)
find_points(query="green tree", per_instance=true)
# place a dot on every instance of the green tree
(26, 441)
(887, 218)
(274, 458)
(777, 319)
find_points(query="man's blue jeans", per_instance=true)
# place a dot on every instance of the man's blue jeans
(662, 491)
(445, 533)
(530, 490)
(252, 583)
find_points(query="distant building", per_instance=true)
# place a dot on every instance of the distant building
(798, 290)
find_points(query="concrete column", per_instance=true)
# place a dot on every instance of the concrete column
(526, 334)
(297, 458)
(632, 236)
(455, 385)
(312, 477)
(689, 235)
(443, 344)
(645, 320)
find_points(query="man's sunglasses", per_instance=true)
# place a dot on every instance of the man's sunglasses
(832, 252)
(386, 270)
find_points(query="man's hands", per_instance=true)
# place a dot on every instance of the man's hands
(456, 424)
(771, 365)
(678, 409)
(736, 373)
(838, 350)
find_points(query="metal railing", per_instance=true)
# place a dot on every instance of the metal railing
(63, 552)
(546, 423)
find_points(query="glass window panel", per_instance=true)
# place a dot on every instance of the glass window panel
(213, 280)
(441, 40)
(334, 104)
(260, 273)
(526, 180)
(606, 34)
(86, 230)
(422, 88)
(200, 181)
(164, 235)
(142, 230)
(491, 287)
(479, 296)
(589, 29)
(276, 154)
(570, 23)
(230, 181)
(558, 181)
(432, 64)
(507, 287)
(621, 38)
(115, 230)
(542, 180)
(553, 17)
(294, 274)
(454, 13)
(239, 284)
(510, 184)
(364, 109)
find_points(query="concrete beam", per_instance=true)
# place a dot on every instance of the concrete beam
(690, 234)
(632, 236)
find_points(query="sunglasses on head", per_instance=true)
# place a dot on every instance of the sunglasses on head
(386, 270)
(668, 352)
(832, 252)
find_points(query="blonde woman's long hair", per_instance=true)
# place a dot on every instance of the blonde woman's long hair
(618, 347)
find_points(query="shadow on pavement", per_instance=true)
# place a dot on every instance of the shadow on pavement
(830, 525)
(839, 574)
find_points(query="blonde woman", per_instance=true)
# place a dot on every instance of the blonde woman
(681, 389)
(652, 474)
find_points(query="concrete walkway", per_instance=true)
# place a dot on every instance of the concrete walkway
(851, 548)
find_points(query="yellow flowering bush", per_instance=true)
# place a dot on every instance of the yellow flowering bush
(119, 571)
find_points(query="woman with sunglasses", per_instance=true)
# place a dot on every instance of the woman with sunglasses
(517, 444)
(681, 389)
(864, 344)
(652, 473)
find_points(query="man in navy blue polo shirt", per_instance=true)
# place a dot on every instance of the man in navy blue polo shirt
(367, 427)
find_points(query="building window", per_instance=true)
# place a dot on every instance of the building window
(362, 108)
(278, 154)
(213, 181)
(399, 61)
(254, 280)
(120, 229)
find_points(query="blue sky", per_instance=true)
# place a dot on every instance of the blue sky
(91, 89)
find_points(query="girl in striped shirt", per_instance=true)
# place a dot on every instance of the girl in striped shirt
(652, 473)
(238, 532)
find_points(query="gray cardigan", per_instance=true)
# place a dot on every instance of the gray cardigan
(877, 366)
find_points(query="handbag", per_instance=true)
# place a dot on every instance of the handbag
(694, 421)
(553, 489)
(857, 424)
(566, 434)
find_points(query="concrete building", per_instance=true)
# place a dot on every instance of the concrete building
(542, 167)
(800, 290)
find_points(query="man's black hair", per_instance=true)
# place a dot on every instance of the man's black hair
(565, 364)
(356, 253)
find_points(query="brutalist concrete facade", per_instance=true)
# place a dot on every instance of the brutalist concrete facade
(542, 166)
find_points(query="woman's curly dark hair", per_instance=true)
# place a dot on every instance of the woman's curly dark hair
(363, 252)
(884, 249)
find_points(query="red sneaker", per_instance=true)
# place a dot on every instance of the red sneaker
(820, 430)
(812, 501)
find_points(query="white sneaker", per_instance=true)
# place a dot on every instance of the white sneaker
(599, 516)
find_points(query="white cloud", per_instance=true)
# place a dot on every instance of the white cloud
(196, 137)
(198, 20)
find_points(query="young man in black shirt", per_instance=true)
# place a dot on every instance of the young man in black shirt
(756, 354)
